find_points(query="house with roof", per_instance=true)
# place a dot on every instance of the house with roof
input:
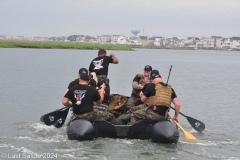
(158, 41)
(134, 41)
(104, 39)
(118, 39)
(235, 43)
(215, 42)
(147, 41)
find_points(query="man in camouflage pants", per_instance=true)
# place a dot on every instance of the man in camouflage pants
(82, 97)
(100, 65)
(97, 114)
(137, 84)
(157, 97)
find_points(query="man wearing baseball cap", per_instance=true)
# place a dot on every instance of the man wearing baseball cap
(92, 80)
(82, 97)
(157, 97)
(137, 84)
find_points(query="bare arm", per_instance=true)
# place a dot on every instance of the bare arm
(101, 92)
(177, 108)
(115, 60)
(135, 85)
(65, 102)
(143, 98)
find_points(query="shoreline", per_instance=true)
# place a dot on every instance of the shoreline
(77, 46)
(60, 45)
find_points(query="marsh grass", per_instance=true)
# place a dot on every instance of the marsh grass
(59, 45)
(68, 45)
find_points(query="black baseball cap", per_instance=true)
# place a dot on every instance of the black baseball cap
(155, 74)
(148, 68)
(83, 72)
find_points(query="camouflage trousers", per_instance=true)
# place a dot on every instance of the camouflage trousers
(100, 106)
(145, 114)
(103, 79)
(132, 101)
(98, 115)
(125, 118)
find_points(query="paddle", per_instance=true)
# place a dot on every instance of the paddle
(187, 135)
(196, 124)
(169, 73)
(56, 118)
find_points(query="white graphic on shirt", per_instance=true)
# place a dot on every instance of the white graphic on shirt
(79, 97)
(98, 64)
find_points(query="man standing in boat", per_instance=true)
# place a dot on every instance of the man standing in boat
(157, 97)
(82, 97)
(99, 65)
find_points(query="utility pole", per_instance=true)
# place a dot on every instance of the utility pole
(143, 30)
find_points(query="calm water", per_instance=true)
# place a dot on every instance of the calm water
(33, 83)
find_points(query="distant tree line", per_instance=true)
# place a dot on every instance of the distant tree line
(73, 38)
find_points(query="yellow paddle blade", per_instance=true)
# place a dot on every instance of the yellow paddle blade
(187, 135)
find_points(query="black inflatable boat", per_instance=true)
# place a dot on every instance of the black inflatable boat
(163, 131)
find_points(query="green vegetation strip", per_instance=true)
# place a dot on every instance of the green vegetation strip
(59, 45)
(68, 45)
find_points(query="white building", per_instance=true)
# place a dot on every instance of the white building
(158, 41)
(118, 39)
(231, 43)
(104, 39)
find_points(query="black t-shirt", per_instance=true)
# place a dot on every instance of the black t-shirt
(82, 97)
(100, 65)
(92, 83)
(149, 90)
(137, 78)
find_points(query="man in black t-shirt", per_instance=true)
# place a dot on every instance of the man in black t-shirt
(92, 81)
(82, 97)
(157, 97)
(99, 65)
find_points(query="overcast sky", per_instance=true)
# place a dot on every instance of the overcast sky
(167, 18)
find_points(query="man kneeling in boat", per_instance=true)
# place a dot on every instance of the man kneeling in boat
(137, 85)
(82, 97)
(157, 97)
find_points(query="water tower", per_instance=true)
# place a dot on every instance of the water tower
(135, 31)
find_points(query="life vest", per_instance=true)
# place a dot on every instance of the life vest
(162, 96)
(137, 91)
